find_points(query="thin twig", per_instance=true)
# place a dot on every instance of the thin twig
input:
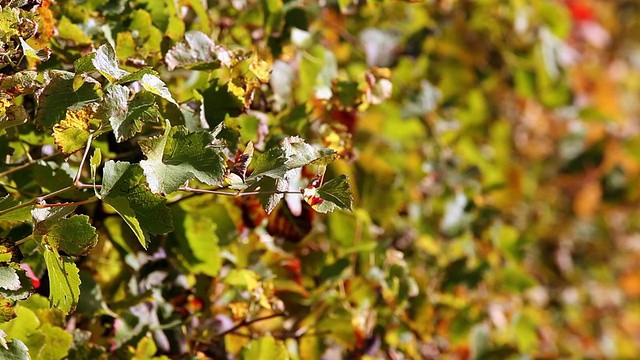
(246, 322)
(73, 203)
(42, 198)
(19, 206)
(22, 241)
(27, 164)
(235, 193)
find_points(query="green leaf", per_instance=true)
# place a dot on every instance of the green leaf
(94, 163)
(242, 278)
(124, 188)
(273, 15)
(196, 242)
(64, 281)
(335, 192)
(25, 323)
(299, 153)
(121, 206)
(154, 85)
(270, 192)
(136, 76)
(9, 18)
(219, 103)
(16, 350)
(75, 236)
(106, 63)
(84, 64)
(265, 348)
(178, 156)
(21, 214)
(50, 342)
(126, 117)
(197, 53)
(272, 164)
(70, 31)
(59, 95)
(145, 350)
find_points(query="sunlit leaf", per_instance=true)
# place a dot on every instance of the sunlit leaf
(64, 281)
(264, 348)
(242, 278)
(197, 53)
(16, 350)
(106, 63)
(72, 133)
(154, 85)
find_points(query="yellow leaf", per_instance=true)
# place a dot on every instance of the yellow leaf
(260, 69)
(72, 133)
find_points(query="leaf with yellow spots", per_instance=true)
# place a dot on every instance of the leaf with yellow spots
(72, 133)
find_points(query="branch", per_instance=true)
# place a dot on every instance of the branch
(235, 193)
(27, 164)
(46, 196)
(19, 206)
(22, 241)
(246, 322)
(73, 203)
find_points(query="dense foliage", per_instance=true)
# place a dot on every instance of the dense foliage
(302, 180)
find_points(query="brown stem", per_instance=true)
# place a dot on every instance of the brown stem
(237, 193)
(246, 322)
(27, 164)
(74, 203)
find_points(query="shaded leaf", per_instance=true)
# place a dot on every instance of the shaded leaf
(178, 156)
(13, 115)
(220, 103)
(75, 236)
(124, 188)
(59, 95)
(334, 193)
